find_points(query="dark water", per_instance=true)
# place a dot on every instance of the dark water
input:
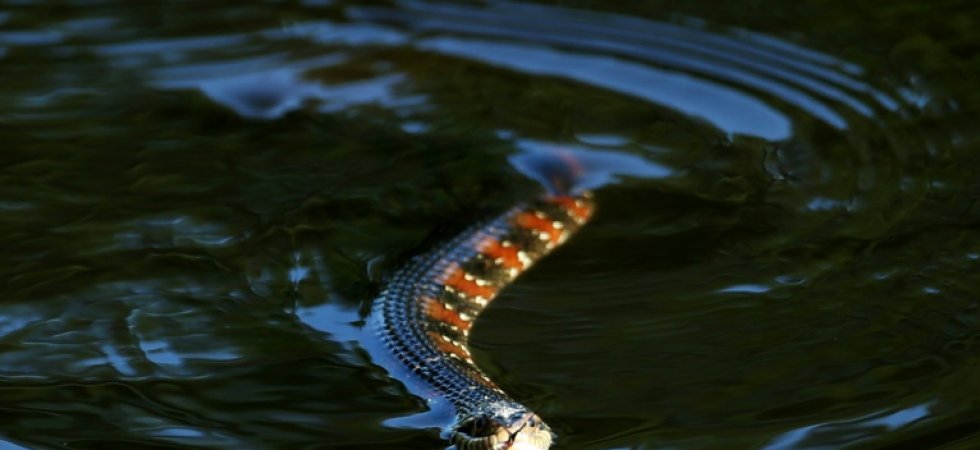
(199, 201)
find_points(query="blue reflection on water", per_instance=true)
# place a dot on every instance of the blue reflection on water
(823, 204)
(179, 432)
(266, 86)
(297, 274)
(119, 362)
(725, 108)
(159, 352)
(198, 437)
(746, 289)
(337, 321)
(30, 38)
(162, 353)
(804, 53)
(175, 47)
(817, 83)
(346, 34)
(712, 76)
(4, 445)
(87, 25)
(665, 44)
(599, 167)
(16, 318)
(756, 50)
(440, 413)
(832, 435)
(602, 140)
(264, 93)
(414, 127)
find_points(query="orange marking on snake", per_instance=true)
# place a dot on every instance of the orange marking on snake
(530, 221)
(507, 256)
(575, 208)
(438, 312)
(446, 346)
(457, 280)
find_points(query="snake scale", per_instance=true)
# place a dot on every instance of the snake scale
(425, 314)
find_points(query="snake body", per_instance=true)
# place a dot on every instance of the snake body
(427, 310)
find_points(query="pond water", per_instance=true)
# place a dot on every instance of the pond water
(198, 203)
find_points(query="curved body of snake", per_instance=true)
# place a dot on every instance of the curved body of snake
(425, 314)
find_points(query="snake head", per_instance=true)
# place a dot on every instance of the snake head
(518, 431)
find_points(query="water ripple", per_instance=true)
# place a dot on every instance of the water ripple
(29, 38)
(580, 47)
(732, 111)
(834, 434)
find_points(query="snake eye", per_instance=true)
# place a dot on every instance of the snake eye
(475, 427)
(532, 422)
(479, 424)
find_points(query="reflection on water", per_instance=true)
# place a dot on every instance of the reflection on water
(714, 77)
(198, 206)
(729, 110)
(693, 59)
(272, 93)
(599, 167)
(836, 434)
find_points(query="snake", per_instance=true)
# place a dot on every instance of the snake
(427, 309)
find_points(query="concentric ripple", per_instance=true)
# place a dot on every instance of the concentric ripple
(741, 83)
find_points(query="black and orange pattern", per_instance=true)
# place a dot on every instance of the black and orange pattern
(427, 311)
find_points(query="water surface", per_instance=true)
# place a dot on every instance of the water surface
(199, 204)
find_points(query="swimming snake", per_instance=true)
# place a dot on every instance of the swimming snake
(425, 314)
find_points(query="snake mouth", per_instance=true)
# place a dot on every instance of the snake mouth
(483, 432)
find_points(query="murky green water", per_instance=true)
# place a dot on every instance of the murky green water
(199, 201)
